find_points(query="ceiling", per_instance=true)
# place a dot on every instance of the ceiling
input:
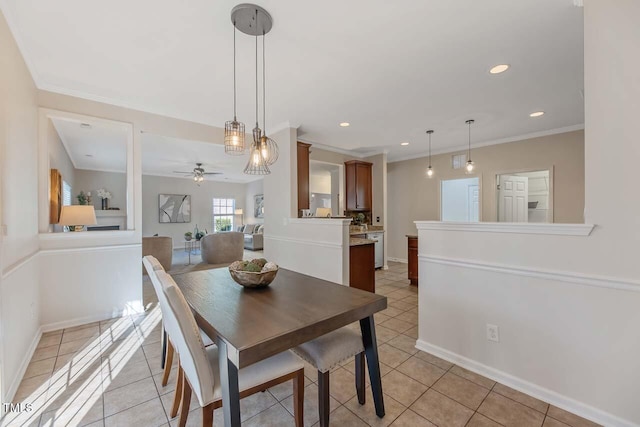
(391, 71)
(104, 148)
(93, 146)
(161, 155)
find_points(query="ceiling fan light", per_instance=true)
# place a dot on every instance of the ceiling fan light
(234, 138)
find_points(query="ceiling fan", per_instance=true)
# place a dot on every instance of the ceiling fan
(198, 173)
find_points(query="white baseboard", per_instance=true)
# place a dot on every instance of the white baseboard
(546, 395)
(17, 379)
(79, 321)
(402, 260)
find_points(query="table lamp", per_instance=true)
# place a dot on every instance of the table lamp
(75, 217)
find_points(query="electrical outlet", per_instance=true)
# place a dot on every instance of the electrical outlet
(493, 333)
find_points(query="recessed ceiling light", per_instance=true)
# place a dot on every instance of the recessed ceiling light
(536, 114)
(404, 144)
(499, 69)
(345, 124)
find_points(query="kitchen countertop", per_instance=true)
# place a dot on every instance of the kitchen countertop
(356, 241)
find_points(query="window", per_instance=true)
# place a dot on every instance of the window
(66, 194)
(223, 210)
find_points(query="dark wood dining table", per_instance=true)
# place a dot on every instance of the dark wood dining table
(250, 325)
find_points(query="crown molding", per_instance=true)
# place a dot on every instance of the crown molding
(464, 147)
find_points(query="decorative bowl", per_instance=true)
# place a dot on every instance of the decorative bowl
(250, 279)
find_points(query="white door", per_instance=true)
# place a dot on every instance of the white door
(474, 203)
(513, 198)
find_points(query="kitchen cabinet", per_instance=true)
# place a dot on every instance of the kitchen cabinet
(412, 255)
(362, 272)
(358, 185)
(303, 176)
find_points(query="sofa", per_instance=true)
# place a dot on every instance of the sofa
(253, 236)
(160, 247)
(222, 248)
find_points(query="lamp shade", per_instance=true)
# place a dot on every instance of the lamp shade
(78, 215)
(238, 212)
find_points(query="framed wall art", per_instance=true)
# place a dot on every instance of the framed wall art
(174, 208)
(258, 211)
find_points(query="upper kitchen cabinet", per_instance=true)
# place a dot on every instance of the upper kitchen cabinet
(358, 183)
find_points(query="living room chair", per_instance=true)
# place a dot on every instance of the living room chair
(325, 353)
(222, 248)
(199, 372)
(161, 247)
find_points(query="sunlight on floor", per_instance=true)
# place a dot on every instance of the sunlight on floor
(70, 394)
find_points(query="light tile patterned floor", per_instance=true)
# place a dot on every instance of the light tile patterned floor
(108, 374)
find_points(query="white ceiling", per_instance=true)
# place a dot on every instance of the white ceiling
(161, 155)
(94, 147)
(103, 148)
(391, 69)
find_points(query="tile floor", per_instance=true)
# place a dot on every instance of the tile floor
(108, 374)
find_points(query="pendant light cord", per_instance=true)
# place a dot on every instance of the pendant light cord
(257, 71)
(469, 138)
(429, 148)
(234, 72)
(264, 96)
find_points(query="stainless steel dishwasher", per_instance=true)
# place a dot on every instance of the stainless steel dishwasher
(379, 247)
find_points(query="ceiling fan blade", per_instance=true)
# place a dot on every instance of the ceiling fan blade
(191, 173)
(212, 173)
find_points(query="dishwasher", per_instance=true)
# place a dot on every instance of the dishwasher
(379, 247)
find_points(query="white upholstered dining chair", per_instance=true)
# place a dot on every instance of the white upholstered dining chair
(325, 353)
(152, 265)
(198, 368)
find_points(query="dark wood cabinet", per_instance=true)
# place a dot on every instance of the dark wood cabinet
(303, 176)
(362, 271)
(358, 177)
(412, 255)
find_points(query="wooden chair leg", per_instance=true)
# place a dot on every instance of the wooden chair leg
(360, 378)
(298, 398)
(178, 393)
(167, 364)
(186, 402)
(207, 415)
(323, 398)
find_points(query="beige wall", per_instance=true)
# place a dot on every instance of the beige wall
(59, 158)
(201, 204)
(19, 291)
(114, 182)
(412, 196)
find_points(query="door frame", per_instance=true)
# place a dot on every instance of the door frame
(550, 211)
(465, 176)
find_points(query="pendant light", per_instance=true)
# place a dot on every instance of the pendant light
(470, 165)
(234, 130)
(268, 147)
(256, 164)
(429, 169)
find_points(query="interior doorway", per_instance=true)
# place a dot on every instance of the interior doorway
(524, 197)
(460, 200)
(325, 183)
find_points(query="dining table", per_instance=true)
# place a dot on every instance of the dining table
(249, 325)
